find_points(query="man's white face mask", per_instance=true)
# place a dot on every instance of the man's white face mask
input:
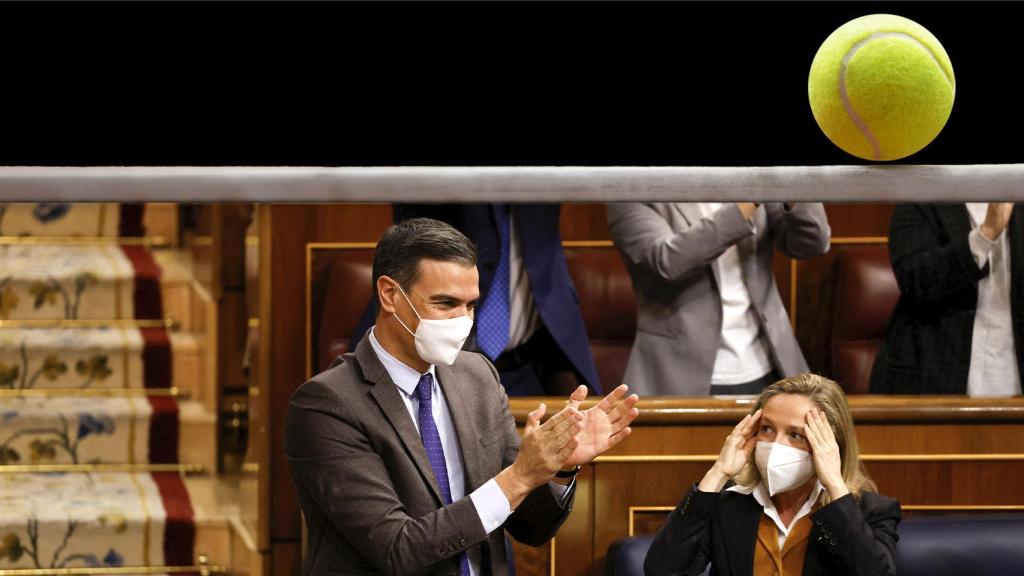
(437, 341)
(782, 467)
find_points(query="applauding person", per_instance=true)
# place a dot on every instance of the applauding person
(709, 316)
(405, 454)
(800, 501)
(956, 328)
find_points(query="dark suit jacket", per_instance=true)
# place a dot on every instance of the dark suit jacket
(369, 495)
(927, 347)
(847, 536)
(553, 291)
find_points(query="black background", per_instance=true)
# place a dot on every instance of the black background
(533, 83)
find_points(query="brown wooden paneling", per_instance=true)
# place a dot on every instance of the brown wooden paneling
(351, 222)
(286, 559)
(574, 543)
(961, 483)
(621, 485)
(584, 222)
(532, 560)
(648, 521)
(859, 220)
(282, 324)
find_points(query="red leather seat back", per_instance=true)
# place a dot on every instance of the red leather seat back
(344, 294)
(866, 295)
(609, 308)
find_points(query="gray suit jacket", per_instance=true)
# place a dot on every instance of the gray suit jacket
(370, 498)
(669, 250)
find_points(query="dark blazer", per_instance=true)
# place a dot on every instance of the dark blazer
(927, 348)
(553, 291)
(847, 536)
(369, 495)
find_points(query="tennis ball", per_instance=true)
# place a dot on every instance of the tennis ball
(881, 87)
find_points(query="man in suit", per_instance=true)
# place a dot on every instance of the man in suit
(529, 323)
(405, 454)
(956, 327)
(709, 316)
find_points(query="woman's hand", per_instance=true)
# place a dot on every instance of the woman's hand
(736, 451)
(825, 452)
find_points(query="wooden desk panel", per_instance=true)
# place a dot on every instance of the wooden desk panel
(935, 454)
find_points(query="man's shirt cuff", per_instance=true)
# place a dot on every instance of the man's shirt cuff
(981, 247)
(491, 505)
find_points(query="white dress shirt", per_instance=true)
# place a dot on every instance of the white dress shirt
(742, 355)
(490, 502)
(993, 370)
(760, 492)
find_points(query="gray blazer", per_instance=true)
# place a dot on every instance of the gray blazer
(669, 250)
(370, 498)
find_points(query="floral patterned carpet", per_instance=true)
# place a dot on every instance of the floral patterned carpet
(74, 395)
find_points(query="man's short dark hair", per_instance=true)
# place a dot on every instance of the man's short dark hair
(403, 245)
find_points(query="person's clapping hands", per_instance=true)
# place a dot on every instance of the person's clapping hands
(543, 452)
(604, 425)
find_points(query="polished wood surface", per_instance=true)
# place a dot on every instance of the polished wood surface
(859, 220)
(935, 454)
(661, 410)
(584, 222)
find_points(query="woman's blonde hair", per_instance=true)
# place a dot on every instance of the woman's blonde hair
(830, 399)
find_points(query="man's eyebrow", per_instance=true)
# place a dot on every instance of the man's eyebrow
(444, 298)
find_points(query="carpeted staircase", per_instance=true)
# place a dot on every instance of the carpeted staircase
(104, 402)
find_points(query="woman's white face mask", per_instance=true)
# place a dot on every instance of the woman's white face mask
(437, 341)
(782, 467)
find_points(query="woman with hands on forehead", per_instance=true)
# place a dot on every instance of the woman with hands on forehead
(787, 495)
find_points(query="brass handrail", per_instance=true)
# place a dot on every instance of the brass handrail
(201, 569)
(100, 467)
(173, 392)
(149, 241)
(90, 323)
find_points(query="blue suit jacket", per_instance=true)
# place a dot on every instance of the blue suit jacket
(541, 243)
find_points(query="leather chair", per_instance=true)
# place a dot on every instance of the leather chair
(953, 545)
(866, 295)
(608, 303)
(344, 290)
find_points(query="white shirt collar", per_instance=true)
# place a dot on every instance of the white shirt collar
(405, 377)
(760, 492)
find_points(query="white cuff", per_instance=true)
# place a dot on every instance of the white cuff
(981, 247)
(491, 505)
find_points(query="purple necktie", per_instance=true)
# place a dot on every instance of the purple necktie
(492, 319)
(435, 452)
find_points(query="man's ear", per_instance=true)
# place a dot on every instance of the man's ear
(386, 293)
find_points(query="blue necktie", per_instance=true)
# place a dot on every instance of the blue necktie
(435, 452)
(492, 318)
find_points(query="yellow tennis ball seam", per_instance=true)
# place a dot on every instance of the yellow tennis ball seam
(876, 148)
